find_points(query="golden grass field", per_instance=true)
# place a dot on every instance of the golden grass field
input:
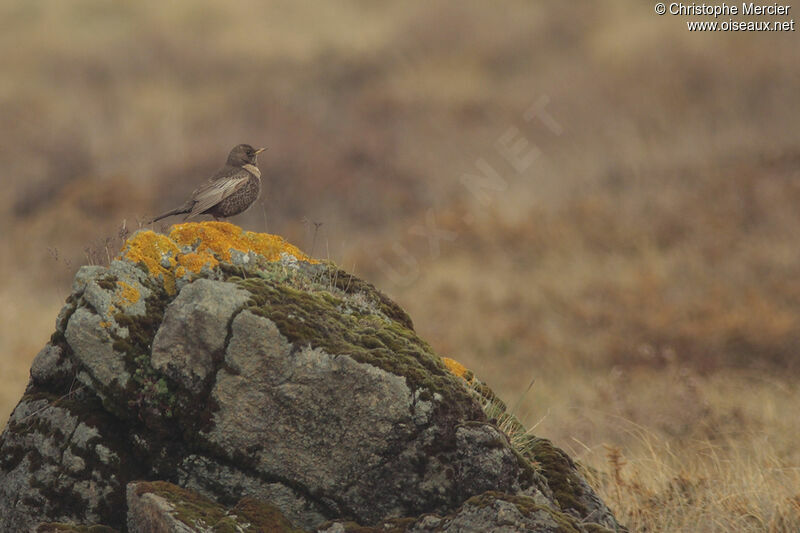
(640, 265)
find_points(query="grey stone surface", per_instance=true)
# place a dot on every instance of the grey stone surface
(150, 513)
(498, 516)
(91, 343)
(47, 457)
(84, 275)
(109, 291)
(46, 363)
(204, 474)
(486, 460)
(491, 512)
(166, 508)
(192, 335)
(349, 412)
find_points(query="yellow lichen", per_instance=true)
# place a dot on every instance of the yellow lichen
(194, 261)
(211, 242)
(150, 248)
(127, 295)
(219, 238)
(458, 369)
(272, 246)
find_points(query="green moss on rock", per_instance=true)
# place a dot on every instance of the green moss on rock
(350, 284)
(561, 474)
(191, 508)
(54, 527)
(195, 510)
(528, 507)
(149, 395)
(396, 525)
(263, 516)
(313, 318)
(108, 283)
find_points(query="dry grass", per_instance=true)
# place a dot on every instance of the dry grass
(709, 455)
(643, 269)
(734, 470)
(700, 488)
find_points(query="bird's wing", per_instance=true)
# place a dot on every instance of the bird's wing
(217, 189)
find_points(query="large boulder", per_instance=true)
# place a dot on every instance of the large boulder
(227, 367)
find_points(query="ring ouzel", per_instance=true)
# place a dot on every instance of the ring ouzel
(230, 191)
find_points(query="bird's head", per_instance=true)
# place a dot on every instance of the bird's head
(243, 154)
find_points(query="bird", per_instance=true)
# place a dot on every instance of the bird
(230, 191)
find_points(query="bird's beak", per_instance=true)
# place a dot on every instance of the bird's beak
(260, 150)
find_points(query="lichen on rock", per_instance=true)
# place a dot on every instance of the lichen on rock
(233, 368)
(191, 248)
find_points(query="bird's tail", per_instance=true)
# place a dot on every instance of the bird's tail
(176, 211)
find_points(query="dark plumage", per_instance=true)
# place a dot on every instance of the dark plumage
(230, 191)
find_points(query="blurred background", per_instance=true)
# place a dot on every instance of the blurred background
(580, 194)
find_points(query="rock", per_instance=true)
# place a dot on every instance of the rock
(242, 379)
(46, 363)
(167, 508)
(193, 333)
(91, 344)
(491, 511)
(50, 465)
(203, 475)
(60, 527)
